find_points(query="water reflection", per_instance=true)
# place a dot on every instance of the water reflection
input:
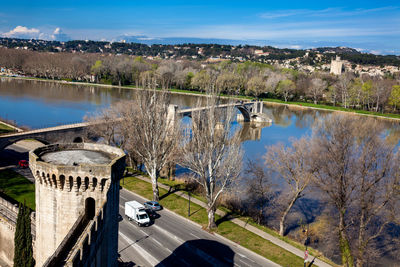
(41, 104)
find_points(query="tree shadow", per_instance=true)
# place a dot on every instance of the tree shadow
(227, 217)
(171, 190)
(200, 252)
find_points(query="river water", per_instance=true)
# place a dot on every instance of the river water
(40, 104)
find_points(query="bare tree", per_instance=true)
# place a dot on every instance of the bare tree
(153, 132)
(212, 153)
(333, 146)
(291, 163)
(316, 89)
(146, 127)
(256, 86)
(285, 88)
(356, 169)
(259, 188)
(104, 124)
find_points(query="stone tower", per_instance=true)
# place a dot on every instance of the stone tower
(74, 181)
(336, 66)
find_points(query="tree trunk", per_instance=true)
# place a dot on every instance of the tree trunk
(153, 177)
(211, 218)
(347, 258)
(285, 213)
(155, 191)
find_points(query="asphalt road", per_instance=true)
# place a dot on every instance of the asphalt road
(173, 241)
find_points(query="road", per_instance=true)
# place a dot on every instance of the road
(173, 241)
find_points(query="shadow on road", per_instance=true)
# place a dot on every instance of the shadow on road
(200, 252)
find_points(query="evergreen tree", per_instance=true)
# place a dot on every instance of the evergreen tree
(23, 251)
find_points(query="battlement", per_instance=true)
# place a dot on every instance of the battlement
(71, 180)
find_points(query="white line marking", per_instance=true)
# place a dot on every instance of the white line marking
(241, 255)
(168, 234)
(195, 236)
(123, 197)
(147, 256)
(143, 232)
(155, 240)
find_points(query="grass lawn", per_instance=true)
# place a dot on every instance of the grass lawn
(225, 228)
(5, 129)
(17, 187)
(180, 185)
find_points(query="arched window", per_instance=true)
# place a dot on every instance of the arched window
(94, 183)
(78, 182)
(62, 182)
(86, 184)
(90, 208)
(71, 182)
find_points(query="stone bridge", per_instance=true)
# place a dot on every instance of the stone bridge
(71, 133)
(249, 110)
(76, 133)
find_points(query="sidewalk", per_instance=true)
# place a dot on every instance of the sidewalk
(248, 227)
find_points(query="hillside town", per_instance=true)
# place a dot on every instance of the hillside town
(308, 60)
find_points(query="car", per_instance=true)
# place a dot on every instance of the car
(152, 205)
(23, 163)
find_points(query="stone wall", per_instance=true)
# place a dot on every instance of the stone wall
(8, 220)
(64, 192)
(91, 242)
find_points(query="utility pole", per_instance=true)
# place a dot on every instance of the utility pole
(189, 204)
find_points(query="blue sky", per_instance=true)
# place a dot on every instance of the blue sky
(372, 26)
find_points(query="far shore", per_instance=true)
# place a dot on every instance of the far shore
(301, 105)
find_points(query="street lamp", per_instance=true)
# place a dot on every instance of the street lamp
(189, 204)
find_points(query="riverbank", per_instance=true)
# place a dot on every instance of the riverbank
(303, 105)
(8, 128)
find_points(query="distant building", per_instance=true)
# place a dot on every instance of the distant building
(336, 66)
(260, 53)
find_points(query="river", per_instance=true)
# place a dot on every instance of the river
(39, 104)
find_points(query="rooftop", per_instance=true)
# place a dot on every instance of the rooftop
(76, 157)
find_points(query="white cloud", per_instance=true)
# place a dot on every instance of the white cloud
(22, 32)
(57, 30)
(328, 12)
(33, 33)
(59, 35)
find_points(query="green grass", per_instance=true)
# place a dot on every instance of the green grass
(5, 129)
(17, 187)
(227, 229)
(250, 221)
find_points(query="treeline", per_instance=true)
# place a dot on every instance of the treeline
(247, 79)
(196, 51)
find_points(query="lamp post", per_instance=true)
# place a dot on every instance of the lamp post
(189, 204)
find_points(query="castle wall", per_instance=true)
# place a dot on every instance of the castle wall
(8, 221)
(62, 191)
(7, 232)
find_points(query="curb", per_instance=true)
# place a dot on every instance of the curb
(296, 251)
(212, 233)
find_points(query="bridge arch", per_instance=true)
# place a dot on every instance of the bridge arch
(78, 139)
(15, 140)
(245, 112)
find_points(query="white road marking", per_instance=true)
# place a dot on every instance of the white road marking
(195, 236)
(143, 232)
(168, 234)
(147, 256)
(155, 240)
(123, 197)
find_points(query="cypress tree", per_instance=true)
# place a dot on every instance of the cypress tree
(23, 251)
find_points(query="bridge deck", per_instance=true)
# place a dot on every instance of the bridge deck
(190, 110)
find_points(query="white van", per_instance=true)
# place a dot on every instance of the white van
(136, 212)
